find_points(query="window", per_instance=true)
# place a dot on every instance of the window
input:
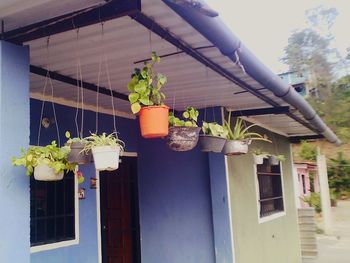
(269, 189)
(53, 211)
(304, 184)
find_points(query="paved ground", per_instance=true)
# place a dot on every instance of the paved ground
(336, 248)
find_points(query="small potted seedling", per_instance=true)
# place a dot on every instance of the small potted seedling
(276, 159)
(105, 150)
(146, 99)
(259, 156)
(46, 163)
(183, 134)
(213, 138)
(240, 137)
(77, 154)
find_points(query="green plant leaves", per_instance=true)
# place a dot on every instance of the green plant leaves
(52, 155)
(135, 107)
(147, 85)
(145, 100)
(133, 97)
(186, 114)
(239, 132)
(190, 116)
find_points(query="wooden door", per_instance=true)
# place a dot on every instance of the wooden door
(119, 213)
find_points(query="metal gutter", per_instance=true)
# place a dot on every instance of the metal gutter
(215, 30)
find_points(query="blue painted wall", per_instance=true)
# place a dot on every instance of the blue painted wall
(128, 129)
(175, 205)
(176, 218)
(14, 134)
(86, 251)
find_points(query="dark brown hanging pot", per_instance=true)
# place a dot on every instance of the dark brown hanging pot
(77, 155)
(182, 138)
(211, 143)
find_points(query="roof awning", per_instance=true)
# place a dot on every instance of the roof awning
(201, 66)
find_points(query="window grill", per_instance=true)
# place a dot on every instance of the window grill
(270, 189)
(52, 211)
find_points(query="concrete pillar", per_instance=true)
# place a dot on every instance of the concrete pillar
(222, 223)
(221, 211)
(14, 134)
(324, 192)
(296, 187)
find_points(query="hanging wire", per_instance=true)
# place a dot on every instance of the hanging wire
(82, 100)
(106, 62)
(48, 79)
(42, 109)
(98, 80)
(112, 97)
(54, 112)
(237, 59)
(175, 89)
(206, 97)
(78, 85)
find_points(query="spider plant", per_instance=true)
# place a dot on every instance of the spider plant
(241, 133)
(95, 140)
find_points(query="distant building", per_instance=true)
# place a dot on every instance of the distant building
(299, 80)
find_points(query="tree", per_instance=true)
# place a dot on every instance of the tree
(308, 51)
(308, 151)
(339, 174)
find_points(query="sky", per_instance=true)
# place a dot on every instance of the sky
(264, 26)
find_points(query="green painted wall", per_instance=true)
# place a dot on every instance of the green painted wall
(274, 241)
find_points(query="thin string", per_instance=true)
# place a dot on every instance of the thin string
(82, 100)
(109, 84)
(98, 80)
(273, 138)
(54, 113)
(42, 109)
(206, 97)
(112, 97)
(150, 39)
(48, 77)
(175, 89)
(98, 92)
(237, 59)
(78, 86)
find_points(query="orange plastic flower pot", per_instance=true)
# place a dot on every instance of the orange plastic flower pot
(154, 121)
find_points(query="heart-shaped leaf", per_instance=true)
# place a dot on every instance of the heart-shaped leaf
(135, 107)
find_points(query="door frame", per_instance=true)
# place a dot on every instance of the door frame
(98, 208)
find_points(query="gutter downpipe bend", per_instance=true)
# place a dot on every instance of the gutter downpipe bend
(222, 37)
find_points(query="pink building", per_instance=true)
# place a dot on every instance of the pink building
(305, 172)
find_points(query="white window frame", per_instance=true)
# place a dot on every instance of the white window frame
(274, 215)
(60, 244)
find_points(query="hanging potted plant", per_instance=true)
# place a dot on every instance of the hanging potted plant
(276, 159)
(146, 99)
(239, 138)
(213, 138)
(183, 134)
(77, 154)
(46, 163)
(259, 156)
(105, 150)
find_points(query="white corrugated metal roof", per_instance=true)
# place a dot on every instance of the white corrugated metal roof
(124, 42)
(20, 13)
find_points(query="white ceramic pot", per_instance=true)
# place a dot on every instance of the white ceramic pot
(273, 160)
(259, 159)
(43, 172)
(235, 147)
(106, 157)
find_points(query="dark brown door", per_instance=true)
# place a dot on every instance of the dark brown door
(119, 213)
